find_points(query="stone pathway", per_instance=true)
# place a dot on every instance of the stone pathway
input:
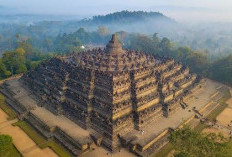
(22, 142)
(7, 123)
(224, 121)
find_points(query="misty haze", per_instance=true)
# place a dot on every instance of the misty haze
(115, 78)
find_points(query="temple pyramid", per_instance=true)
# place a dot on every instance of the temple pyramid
(111, 91)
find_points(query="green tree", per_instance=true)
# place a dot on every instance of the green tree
(15, 61)
(74, 49)
(8, 60)
(48, 43)
(17, 36)
(3, 71)
(6, 143)
(30, 65)
(197, 61)
(103, 31)
(156, 41)
(142, 43)
(21, 68)
(27, 48)
(189, 143)
(165, 46)
(221, 70)
(71, 42)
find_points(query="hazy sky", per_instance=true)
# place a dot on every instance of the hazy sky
(181, 10)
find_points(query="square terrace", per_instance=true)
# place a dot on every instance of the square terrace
(198, 100)
(26, 99)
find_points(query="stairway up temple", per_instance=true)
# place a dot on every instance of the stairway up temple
(112, 94)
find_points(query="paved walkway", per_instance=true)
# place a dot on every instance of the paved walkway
(224, 121)
(7, 123)
(22, 142)
(24, 97)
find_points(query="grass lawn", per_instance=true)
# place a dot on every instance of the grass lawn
(164, 151)
(31, 132)
(7, 148)
(58, 149)
(41, 141)
(213, 115)
(11, 113)
(13, 152)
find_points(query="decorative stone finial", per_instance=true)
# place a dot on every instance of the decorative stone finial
(114, 47)
(114, 38)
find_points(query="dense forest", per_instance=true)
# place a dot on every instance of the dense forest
(23, 46)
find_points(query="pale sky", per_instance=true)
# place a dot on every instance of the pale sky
(181, 10)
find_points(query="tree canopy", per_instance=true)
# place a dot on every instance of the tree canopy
(221, 70)
(6, 143)
(25, 56)
(189, 143)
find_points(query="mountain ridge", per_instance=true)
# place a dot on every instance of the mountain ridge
(126, 16)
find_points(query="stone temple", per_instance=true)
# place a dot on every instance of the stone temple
(112, 93)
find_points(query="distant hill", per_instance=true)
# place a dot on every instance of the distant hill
(130, 21)
(127, 17)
